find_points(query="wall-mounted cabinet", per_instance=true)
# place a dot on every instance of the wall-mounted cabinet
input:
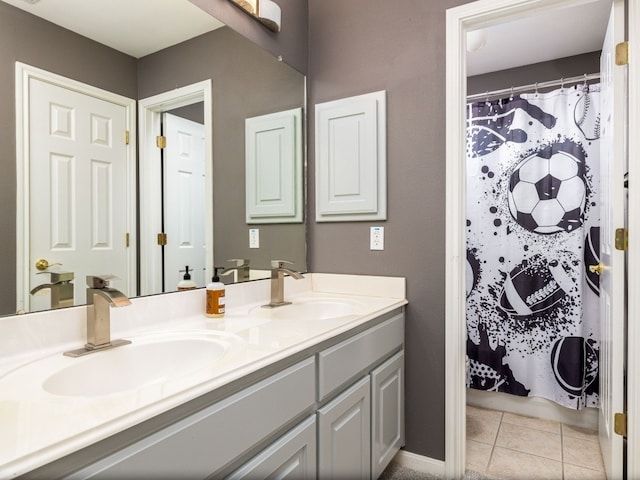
(351, 159)
(274, 168)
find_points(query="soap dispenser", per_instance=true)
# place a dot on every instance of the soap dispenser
(186, 283)
(215, 296)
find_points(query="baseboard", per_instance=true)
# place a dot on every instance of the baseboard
(420, 463)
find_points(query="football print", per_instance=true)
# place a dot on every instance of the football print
(548, 195)
(535, 286)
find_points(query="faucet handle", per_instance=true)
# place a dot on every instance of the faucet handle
(59, 277)
(99, 281)
(280, 263)
(240, 262)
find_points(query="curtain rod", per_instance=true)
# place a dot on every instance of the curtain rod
(533, 87)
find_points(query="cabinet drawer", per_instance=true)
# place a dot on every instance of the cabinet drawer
(292, 456)
(347, 360)
(206, 441)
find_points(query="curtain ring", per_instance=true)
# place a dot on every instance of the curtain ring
(511, 96)
(536, 89)
(562, 84)
(486, 99)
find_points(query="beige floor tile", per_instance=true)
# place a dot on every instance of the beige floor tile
(573, 472)
(478, 456)
(509, 464)
(530, 440)
(482, 424)
(583, 453)
(579, 432)
(532, 422)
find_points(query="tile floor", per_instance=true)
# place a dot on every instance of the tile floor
(508, 446)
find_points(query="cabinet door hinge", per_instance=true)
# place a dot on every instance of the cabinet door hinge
(622, 239)
(161, 141)
(162, 239)
(126, 137)
(622, 53)
(126, 239)
(620, 424)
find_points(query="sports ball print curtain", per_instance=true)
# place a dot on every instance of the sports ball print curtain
(532, 233)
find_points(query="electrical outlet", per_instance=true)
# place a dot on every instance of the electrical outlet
(377, 238)
(254, 238)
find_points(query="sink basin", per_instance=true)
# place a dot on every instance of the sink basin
(147, 360)
(312, 309)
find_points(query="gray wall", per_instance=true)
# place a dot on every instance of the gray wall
(28, 39)
(247, 81)
(360, 46)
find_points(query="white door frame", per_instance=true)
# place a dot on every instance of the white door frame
(149, 116)
(23, 74)
(459, 20)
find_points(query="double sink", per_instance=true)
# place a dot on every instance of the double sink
(171, 356)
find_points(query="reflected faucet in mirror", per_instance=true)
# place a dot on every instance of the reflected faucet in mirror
(61, 289)
(278, 270)
(100, 299)
(242, 267)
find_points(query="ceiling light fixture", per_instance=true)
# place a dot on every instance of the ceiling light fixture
(267, 12)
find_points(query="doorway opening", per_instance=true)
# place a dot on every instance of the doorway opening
(461, 20)
(151, 113)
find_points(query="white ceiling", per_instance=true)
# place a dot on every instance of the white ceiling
(135, 27)
(541, 37)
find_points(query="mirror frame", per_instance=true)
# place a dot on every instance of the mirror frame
(149, 118)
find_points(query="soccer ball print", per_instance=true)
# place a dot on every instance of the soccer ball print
(547, 194)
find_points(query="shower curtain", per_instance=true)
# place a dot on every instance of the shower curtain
(532, 232)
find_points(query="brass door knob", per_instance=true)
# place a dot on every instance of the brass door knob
(42, 264)
(596, 268)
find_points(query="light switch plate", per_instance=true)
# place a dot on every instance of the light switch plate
(377, 238)
(254, 238)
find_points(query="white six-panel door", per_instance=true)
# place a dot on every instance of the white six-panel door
(78, 181)
(184, 200)
(612, 278)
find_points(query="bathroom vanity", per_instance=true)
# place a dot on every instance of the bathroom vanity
(309, 390)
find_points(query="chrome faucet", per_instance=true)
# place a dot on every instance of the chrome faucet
(61, 289)
(242, 266)
(277, 283)
(100, 299)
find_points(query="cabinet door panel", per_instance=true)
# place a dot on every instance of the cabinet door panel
(344, 434)
(387, 406)
(293, 456)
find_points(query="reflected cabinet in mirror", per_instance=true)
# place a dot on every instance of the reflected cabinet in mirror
(132, 167)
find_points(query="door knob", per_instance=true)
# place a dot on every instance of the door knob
(42, 264)
(596, 268)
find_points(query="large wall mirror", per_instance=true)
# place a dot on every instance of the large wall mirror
(228, 79)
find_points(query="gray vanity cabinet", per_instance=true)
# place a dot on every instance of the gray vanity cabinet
(361, 429)
(333, 411)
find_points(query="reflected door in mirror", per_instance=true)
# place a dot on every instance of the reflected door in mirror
(78, 188)
(184, 200)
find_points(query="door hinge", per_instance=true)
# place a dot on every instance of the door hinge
(622, 239)
(161, 141)
(126, 137)
(620, 424)
(162, 239)
(622, 53)
(126, 239)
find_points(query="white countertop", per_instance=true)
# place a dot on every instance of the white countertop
(39, 427)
